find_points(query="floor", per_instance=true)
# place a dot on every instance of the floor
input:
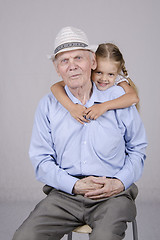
(148, 219)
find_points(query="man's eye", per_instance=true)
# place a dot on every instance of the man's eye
(78, 57)
(64, 60)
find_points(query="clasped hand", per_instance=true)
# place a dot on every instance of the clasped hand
(98, 187)
(83, 114)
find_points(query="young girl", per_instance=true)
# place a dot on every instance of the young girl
(110, 71)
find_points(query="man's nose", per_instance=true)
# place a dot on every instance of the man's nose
(72, 64)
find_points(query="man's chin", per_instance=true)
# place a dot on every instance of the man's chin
(76, 83)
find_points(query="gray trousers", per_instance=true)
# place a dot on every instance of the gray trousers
(59, 213)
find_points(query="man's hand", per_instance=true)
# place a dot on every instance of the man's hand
(87, 185)
(110, 187)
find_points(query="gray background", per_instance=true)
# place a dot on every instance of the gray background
(28, 29)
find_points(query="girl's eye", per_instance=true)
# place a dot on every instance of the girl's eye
(111, 74)
(98, 73)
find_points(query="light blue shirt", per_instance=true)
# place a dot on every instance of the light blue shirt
(62, 148)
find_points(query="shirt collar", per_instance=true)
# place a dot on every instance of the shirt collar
(95, 97)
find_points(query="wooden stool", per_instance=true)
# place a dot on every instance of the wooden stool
(81, 229)
(87, 229)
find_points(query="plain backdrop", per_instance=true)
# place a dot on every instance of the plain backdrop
(27, 32)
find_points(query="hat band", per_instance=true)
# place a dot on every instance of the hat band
(69, 45)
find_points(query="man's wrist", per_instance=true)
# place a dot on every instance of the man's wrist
(74, 189)
(121, 185)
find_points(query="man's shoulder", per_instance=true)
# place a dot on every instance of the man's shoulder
(46, 101)
(49, 97)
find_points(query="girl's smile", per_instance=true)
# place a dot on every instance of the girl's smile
(105, 74)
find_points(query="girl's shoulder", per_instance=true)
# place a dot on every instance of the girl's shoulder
(116, 91)
(120, 79)
(111, 93)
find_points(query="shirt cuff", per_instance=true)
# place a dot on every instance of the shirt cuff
(66, 183)
(126, 178)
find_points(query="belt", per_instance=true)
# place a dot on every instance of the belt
(80, 177)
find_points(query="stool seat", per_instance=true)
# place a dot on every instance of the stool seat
(83, 229)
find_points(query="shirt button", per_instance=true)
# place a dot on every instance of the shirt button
(84, 142)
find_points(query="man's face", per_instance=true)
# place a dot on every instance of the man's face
(75, 67)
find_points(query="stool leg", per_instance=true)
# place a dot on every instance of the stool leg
(135, 231)
(69, 236)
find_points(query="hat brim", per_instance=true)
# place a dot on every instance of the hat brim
(91, 48)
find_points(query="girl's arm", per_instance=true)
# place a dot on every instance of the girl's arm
(128, 99)
(76, 110)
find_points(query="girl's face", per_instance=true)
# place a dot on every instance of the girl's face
(105, 74)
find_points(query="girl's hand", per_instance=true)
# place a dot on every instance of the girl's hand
(95, 111)
(78, 112)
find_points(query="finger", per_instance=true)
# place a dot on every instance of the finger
(95, 117)
(87, 111)
(98, 196)
(100, 180)
(90, 116)
(84, 119)
(96, 192)
(105, 195)
(79, 120)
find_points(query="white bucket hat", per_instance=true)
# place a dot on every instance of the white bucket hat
(70, 38)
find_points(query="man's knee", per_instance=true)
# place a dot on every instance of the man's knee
(122, 209)
(35, 233)
(110, 232)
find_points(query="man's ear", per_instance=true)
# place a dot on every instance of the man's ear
(56, 67)
(94, 62)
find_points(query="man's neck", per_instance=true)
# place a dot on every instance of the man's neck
(82, 93)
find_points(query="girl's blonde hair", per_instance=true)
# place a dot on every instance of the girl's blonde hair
(112, 52)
